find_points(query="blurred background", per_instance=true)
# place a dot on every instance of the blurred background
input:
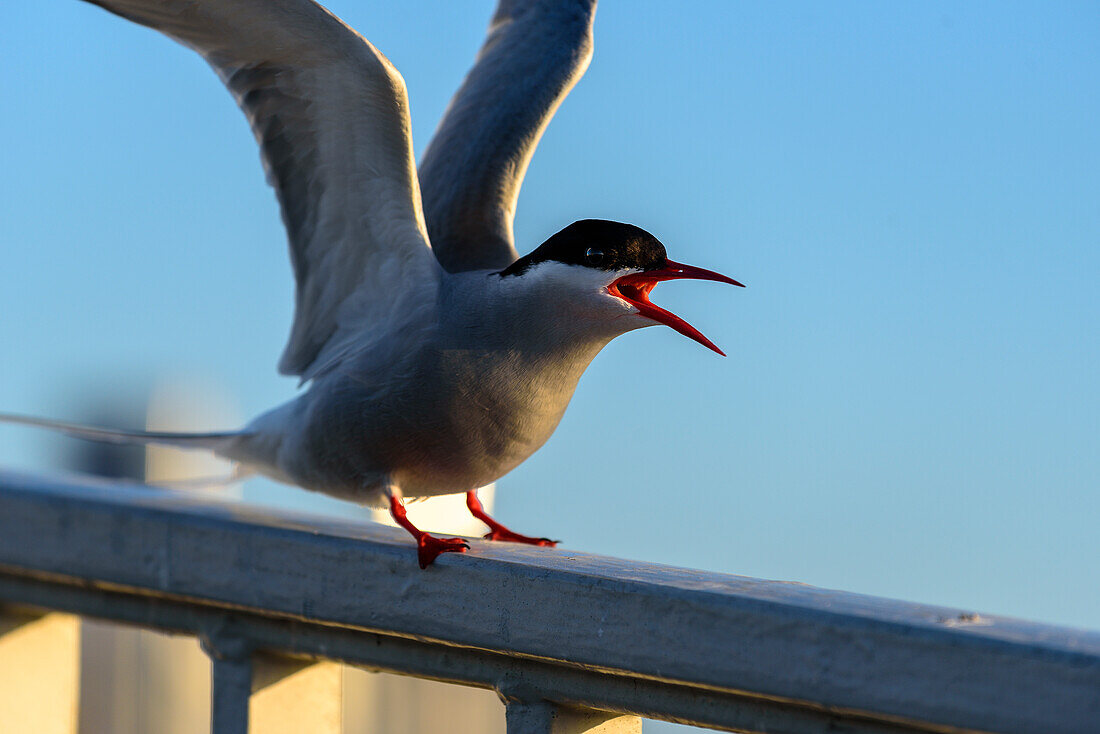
(911, 405)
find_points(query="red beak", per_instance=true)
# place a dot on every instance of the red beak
(635, 288)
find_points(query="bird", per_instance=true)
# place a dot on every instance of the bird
(433, 359)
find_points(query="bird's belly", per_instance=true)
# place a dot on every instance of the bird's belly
(477, 456)
(487, 418)
(462, 424)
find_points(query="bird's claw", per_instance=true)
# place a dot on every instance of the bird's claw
(510, 537)
(429, 547)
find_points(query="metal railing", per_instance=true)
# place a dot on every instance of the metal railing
(570, 641)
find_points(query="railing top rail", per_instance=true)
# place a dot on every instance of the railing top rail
(888, 661)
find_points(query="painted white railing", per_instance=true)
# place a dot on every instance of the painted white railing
(571, 642)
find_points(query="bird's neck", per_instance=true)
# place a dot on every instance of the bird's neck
(537, 321)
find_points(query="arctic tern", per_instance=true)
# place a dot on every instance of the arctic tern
(435, 364)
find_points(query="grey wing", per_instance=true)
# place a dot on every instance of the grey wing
(331, 115)
(470, 175)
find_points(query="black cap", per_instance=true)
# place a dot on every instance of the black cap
(596, 243)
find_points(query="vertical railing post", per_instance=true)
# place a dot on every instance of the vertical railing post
(268, 694)
(231, 682)
(229, 693)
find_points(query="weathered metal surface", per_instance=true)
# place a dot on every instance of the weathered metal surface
(602, 633)
(230, 689)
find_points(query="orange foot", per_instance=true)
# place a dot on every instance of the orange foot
(498, 531)
(428, 548)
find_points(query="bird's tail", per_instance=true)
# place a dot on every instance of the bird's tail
(216, 442)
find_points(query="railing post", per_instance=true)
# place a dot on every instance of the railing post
(39, 673)
(544, 717)
(231, 683)
(268, 694)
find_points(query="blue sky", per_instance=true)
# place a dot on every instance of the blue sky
(910, 405)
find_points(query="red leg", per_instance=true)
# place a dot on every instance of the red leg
(428, 547)
(498, 531)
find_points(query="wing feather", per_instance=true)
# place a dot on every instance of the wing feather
(331, 115)
(535, 51)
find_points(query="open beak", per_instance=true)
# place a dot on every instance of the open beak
(635, 288)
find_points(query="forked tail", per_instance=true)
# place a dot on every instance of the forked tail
(216, 442)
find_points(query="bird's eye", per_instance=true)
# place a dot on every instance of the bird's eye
(593, 256)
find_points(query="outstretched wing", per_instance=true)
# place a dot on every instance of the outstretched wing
(470, 175)
(332, 118)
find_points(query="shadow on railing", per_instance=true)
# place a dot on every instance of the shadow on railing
(571, 642)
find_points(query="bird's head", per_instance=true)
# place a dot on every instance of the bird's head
(607, 270)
